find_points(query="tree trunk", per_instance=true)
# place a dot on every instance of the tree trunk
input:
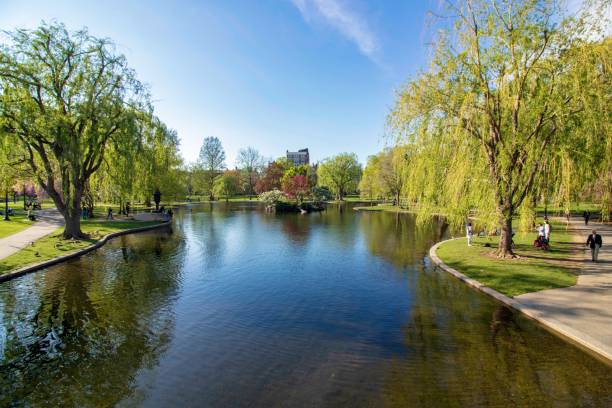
(71, 211)
(505, 239)
(6, 216)
(73, 225)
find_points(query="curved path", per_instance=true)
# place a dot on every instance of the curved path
(47, 222)
(586, 308)
(581, 313)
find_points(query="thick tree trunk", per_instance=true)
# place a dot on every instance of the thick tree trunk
(71, 211)
(505, 239)
(73, 225)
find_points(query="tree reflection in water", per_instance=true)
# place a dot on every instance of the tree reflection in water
(61, 346)
(506, 362)
(398, 238)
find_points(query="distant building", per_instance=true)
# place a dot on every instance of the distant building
(299, 157)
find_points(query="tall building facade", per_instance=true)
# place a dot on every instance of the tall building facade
(299, 157)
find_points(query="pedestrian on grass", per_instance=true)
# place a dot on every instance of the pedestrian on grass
(109, 215)
(540, 230)
(595, 243)
(470, 233)
(546, 230)
(586, 215)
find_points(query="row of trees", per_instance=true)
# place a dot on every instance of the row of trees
(76, 122)
(513, 112)
(209, 176)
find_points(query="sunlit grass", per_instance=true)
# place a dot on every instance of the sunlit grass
(53, 245)
(17, 222)
(532, 271)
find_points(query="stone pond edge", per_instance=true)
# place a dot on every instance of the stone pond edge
(582, 340)
(41, 265)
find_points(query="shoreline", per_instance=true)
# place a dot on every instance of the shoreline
(583, 341)
(54, 261)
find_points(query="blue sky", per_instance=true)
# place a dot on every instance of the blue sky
(272, 74)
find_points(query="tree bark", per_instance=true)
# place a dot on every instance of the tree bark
(73, 225)
(6, 216)
(505, 239)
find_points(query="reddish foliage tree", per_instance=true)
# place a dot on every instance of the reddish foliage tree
(270, 179)
(296, 187)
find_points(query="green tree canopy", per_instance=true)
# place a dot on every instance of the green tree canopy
(227, 184)
(211, 163)
(65, 97)
(340, 174)
(492, 110)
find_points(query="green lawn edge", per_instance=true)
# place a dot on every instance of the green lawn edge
(15, 224)
(533, 271)
(53, 246)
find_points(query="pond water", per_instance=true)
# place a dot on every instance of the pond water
(234, 307)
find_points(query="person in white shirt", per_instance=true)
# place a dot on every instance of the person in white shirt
(540, 230)
(470, 233)
(546, 230)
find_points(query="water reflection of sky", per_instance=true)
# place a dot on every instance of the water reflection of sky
(237, 307)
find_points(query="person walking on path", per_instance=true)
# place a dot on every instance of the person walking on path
(470, 233)
(547, 230)
(595, 243)
(109, 215)
(586, 215)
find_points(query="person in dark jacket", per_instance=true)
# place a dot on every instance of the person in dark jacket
(594, 242)
(586, 215)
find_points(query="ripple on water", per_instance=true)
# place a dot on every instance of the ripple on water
(242, 308)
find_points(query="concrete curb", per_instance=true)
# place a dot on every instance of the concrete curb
(32, 268)
(580, 339)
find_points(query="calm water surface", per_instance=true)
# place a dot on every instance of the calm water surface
(233, 307)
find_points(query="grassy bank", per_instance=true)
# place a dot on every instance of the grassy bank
(53, 246)
(382, 207)
(533, 271)
(16, 223)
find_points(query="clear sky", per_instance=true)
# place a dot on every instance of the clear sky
(272, 74)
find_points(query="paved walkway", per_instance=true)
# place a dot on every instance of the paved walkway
(583, 311)
(47, 222)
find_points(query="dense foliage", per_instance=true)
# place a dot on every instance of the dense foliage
(513, 110)
(67, 100)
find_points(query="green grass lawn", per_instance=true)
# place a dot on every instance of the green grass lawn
(382, 207)
(53, 245)
(17, 222)
(576, 209)
(534, 270)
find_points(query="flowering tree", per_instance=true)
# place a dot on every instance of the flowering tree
(296, 187)
(272, 197)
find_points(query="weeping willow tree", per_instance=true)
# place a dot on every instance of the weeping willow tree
(385, 174)
(496, 105)
(64, 97)
(133, 171)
